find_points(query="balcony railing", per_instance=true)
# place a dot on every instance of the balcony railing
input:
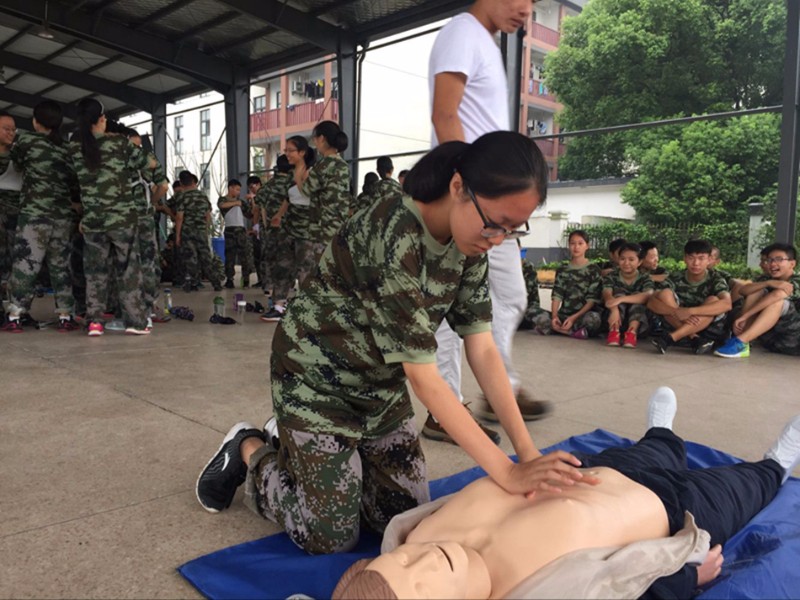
(545, 34)
(264, 122)
(539, 89)
(548, 148)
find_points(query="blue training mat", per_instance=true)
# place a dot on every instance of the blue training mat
(761, 561)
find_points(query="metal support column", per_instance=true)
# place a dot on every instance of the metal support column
(511, 47)
(159, 129)
(237, 126)
(347, 67)
(786, 210)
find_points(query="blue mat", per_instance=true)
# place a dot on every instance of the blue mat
(761, 561)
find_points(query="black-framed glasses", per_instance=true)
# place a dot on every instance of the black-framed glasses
(491, 230)
(776, 259)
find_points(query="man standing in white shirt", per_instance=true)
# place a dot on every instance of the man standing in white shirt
(469, 92)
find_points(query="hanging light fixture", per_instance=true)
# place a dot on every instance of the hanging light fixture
(44, 30)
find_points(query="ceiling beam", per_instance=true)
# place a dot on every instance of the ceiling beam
(203, 68)
(144, 100)
(417, 16)
(161, 13)
(31, 100)
(299, 23)
(286, 59)
(210, 24)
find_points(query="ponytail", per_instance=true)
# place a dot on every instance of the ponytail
(89, 113)
(333, 134)
(50, 116)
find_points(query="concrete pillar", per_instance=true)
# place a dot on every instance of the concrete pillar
(159, 129)
(237, 126)
(756, 210)
(347, 67)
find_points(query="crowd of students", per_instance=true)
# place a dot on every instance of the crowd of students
(700, 307)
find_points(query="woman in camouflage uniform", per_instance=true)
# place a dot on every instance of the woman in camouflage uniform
(343, 446)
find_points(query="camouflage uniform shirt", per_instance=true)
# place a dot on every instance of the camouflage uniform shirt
(387, 187)
(272, 194)
(9, 199)
(328, 188)
(194, 205)
(619, 287)
(108, 202)
(381, 290)
(575, 286)
(694, 294)
(296, 221)
(150, 177)
(47, 177)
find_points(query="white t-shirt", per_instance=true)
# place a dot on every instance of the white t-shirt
(465, 46)
(297, 197)
(234, 217)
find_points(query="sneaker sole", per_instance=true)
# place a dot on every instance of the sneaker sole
(228, 437)
(96, 333)
(740, 355)
(270, 320)
(629, 346)
(130, 331)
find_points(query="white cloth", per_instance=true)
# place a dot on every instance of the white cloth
(234, 217)
(465, 46)
(297, 197)
(11, 178)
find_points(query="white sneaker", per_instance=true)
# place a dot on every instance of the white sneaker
(136, 331)
(786, 449)
(271, 433)
(149, 323)
(661, 408)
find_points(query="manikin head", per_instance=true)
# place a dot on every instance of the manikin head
(430, 570)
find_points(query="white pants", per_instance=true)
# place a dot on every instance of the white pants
(509, 300)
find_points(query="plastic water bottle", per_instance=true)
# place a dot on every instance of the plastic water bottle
(167, 301)
(236, 299)
(241, 310)
(219, 306)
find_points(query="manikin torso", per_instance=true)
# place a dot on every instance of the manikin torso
(516, 536)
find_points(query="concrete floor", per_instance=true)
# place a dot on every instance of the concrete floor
(102, 438)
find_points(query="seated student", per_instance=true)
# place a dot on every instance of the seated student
(625, 294)
(733, 283)
(613, 256)
(692, 301)
(645, 529)
(534, 309)
(575, 294)
(765, 302)
(649, 264)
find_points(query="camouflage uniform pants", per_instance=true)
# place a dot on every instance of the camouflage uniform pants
(98, 247)
(148, 257)
(196, 257)
(628, 313)
(320, 486)
(784, 337)
(76, 270)
(295, 260)
(38, 242)
(270, 238)
(8, 228)
(590, 320)
(238, 250)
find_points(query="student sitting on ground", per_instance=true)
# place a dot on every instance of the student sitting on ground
(626, 291)
(651, 526)
(649, 257)
(534, 309)
(613, 256)
(765, 302)
(575, 294)
(692, 301)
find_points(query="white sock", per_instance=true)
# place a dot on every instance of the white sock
(786, 449)
(661, 408)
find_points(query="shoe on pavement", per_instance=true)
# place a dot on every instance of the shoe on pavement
(530, 409)
(65, 325)
(96, 329)
(580, 334)
(786, 449)
(271, 433)
(630, 339)
(12, 326)
(115, 325)
(613, 338)
(702, 345)
(138, 331)
(273, 315)
(226, 471)
(229, 284)
(662, 342)
(433, 430)
(733, 348)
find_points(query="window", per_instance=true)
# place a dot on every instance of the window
(205, 182)
(335, 88)
(179, 134)
(277, 99)
(259, 104)
(258, 162)
(205, 129)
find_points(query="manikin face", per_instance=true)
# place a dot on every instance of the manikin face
(440, 570)
(577, 246)
(696, 264)
(511, 212)
(628, 262)
(650, 262)
(8, 131)
(779, 265)
(509, 15)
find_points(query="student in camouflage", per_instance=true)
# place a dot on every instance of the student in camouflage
(649, 262)
(692, 302)
(270, 200)
(10, 186)
(193, 214)
(237, 243)
(327, 185)
(625, 292)
(766, 303)
(368, 193)
(534, 309)
(386, 186)
(295, 257)
(105, 165)
(575, 293)
(45, 223)
(362, 328)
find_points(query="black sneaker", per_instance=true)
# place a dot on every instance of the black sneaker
(702, 345)
(229, 284)
(662, 342)
(433, 430)
(530, 409)
(272, 316)
(226, 471)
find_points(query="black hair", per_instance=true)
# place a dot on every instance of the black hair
(494, 165)
(580, 233)
(697, 247)
(5, 113)
(114, 126)
(333, 134)
(176, 184)
(232, 182)
(384, 167)
(616, 244)
(50, 116)
(631, 247)
(88, 114)
(253, 179)
(790, 250)
(187, 178)
(646, 246)
(370, 179)
(282, 164)
(403, 173)
(301, 144)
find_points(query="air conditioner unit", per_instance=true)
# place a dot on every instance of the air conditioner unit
(298, 87)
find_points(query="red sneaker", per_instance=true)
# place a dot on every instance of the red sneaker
(613, 338)
(630, 339)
